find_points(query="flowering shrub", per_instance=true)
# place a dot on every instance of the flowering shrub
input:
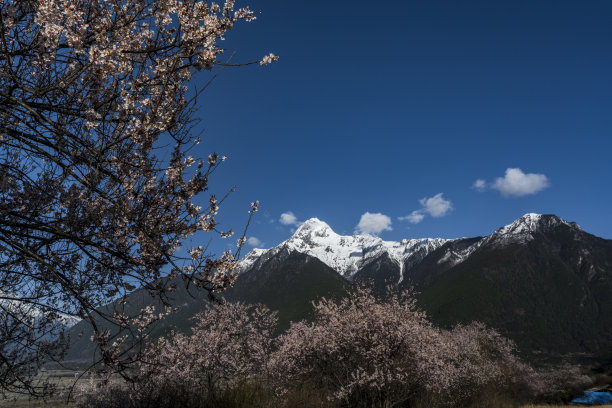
(362, 350)
(370, 352)
(478, 360)
(228, 343)
(358, 351)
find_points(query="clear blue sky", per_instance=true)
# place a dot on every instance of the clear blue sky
(374, 106)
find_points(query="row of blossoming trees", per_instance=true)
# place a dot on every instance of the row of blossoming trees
(359, 351)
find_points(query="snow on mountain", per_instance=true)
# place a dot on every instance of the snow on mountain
(455, 257)
(12, 306)
(522, 230)
(346, 254)
(250, 259)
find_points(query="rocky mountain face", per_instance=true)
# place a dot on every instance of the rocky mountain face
(288, 282)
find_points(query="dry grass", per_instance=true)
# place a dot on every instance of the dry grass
(36, 403)
(62, 379)
(303, 397)
(61, 403)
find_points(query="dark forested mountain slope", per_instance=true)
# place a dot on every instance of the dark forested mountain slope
(548, 287)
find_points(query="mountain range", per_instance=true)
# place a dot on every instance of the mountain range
(12, 307)
(542, 281)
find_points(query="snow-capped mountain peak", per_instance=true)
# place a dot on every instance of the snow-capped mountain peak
(526, 224)
(345, 254)
(523, 229)
(312, 225)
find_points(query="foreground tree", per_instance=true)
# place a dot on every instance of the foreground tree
(92, 202)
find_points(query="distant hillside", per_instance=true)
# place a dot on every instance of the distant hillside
(289, 283)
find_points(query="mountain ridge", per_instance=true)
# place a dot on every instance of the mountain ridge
(348, 253)
(344, 253)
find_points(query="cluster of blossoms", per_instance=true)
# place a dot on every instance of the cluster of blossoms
(91, 203)
(359, 351)
(268, 59)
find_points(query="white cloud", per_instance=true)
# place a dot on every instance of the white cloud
(288, 218)
(436, 206)
(415, 217)
(479, 185)
(254, 242)
(373, 224)
(517, 184)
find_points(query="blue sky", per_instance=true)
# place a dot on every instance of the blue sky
(398, 108)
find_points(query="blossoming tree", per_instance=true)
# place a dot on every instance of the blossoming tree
(92, 202)
(365, 351)
(359, 351)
